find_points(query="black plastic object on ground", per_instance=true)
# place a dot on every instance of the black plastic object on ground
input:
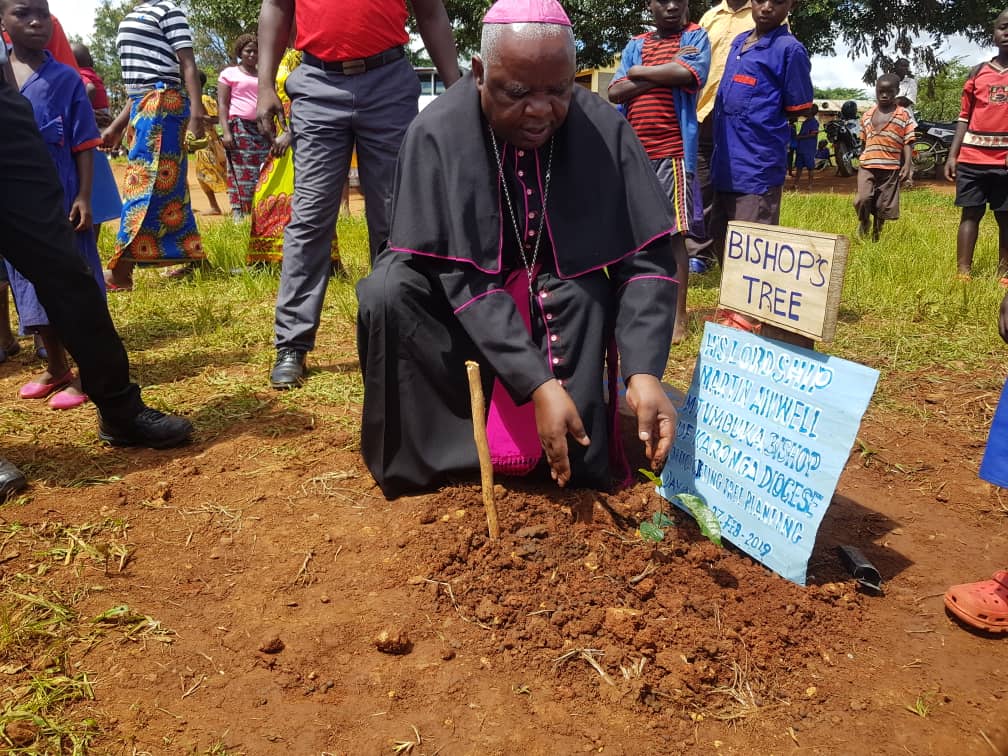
(863, 571)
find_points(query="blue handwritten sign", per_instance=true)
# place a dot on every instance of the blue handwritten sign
(763, 436)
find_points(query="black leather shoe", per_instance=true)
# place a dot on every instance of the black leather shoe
(148, 428)
(12, 480)
(289, 370)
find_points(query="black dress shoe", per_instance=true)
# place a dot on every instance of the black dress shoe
(289, 370)
(12, 480)
(148, 428)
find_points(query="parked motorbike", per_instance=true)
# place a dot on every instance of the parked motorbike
(844, 133)
(931, 149)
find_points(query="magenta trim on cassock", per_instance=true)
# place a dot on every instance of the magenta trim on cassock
(644, 277)
(408, 251)
(478, 297)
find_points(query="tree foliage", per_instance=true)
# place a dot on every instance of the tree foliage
(939, 96)
(882, 30)
(215, 25)
(839, 93)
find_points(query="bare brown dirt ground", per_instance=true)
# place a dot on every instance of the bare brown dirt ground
(274, 562)
(237, 542)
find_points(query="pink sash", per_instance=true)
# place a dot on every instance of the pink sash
(515, 448)
(511, 430)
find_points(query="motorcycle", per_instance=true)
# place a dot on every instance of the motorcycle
(931, 148)
(844, 133)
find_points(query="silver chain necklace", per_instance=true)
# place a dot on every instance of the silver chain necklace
(529, 264)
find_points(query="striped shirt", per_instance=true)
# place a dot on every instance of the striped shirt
(148, 39)
(653, 114)
(884, 146)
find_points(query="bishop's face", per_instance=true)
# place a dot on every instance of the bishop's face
(527, 88)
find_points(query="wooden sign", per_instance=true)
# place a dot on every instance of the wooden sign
(784, 276)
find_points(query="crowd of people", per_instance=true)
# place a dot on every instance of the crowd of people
(483, 243)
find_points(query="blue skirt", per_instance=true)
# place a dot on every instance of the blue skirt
(994, 467)
(106, 204)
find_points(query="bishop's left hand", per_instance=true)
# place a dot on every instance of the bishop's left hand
(656, 417)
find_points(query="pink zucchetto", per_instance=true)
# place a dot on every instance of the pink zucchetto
(526, 12)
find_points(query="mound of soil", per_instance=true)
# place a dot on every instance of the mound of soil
(681, 628)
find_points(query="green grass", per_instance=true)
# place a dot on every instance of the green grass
(903, 312)
(203, 346)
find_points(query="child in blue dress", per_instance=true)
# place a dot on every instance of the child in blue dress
(67, 123)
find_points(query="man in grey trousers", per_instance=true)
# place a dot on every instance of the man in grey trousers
(354, 89)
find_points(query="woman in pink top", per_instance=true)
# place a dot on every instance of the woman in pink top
(246, 148)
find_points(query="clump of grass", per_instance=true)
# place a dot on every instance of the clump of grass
(36, 629)
(923, 705)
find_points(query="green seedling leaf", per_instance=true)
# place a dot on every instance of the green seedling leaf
(661, 520)
(651, 532)
(703, 515)
(650, 476)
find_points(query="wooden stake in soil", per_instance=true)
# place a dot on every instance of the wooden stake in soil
(482, 447)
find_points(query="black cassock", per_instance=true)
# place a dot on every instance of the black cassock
(604, 274)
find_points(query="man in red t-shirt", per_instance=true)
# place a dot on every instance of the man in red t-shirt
(354, 90)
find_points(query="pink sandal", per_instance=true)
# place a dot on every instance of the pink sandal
(983, 605)
(64, 400)
(40, 390)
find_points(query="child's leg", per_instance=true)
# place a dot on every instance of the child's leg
(121, 276)
(7, 339)
(211, 198)
(877, 226)
(864, 204)
(56, 365)
(1002, 220)
(682, 273)
(969, 228)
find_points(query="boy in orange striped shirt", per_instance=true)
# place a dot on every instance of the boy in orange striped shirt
(886, 161)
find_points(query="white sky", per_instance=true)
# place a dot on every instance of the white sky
(77, 17)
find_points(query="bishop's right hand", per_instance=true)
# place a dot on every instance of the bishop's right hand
(556, 416)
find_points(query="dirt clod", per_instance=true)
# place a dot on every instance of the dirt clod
(21, 734)
(272, 644)
(532, 531)
(396, 642)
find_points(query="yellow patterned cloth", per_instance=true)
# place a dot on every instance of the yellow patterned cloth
(211, 162)
(271, 204)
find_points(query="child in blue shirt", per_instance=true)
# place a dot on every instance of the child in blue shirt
(767, 79)
(67, 124)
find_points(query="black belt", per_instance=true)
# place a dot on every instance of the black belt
(357, 65)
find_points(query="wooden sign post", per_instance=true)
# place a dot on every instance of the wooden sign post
(789, 278)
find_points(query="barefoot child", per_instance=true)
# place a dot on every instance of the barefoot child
(68, 127)
(887, 159)
(659, 77)
(978, 157)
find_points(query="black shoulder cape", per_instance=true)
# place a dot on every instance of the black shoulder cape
(604, 202)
